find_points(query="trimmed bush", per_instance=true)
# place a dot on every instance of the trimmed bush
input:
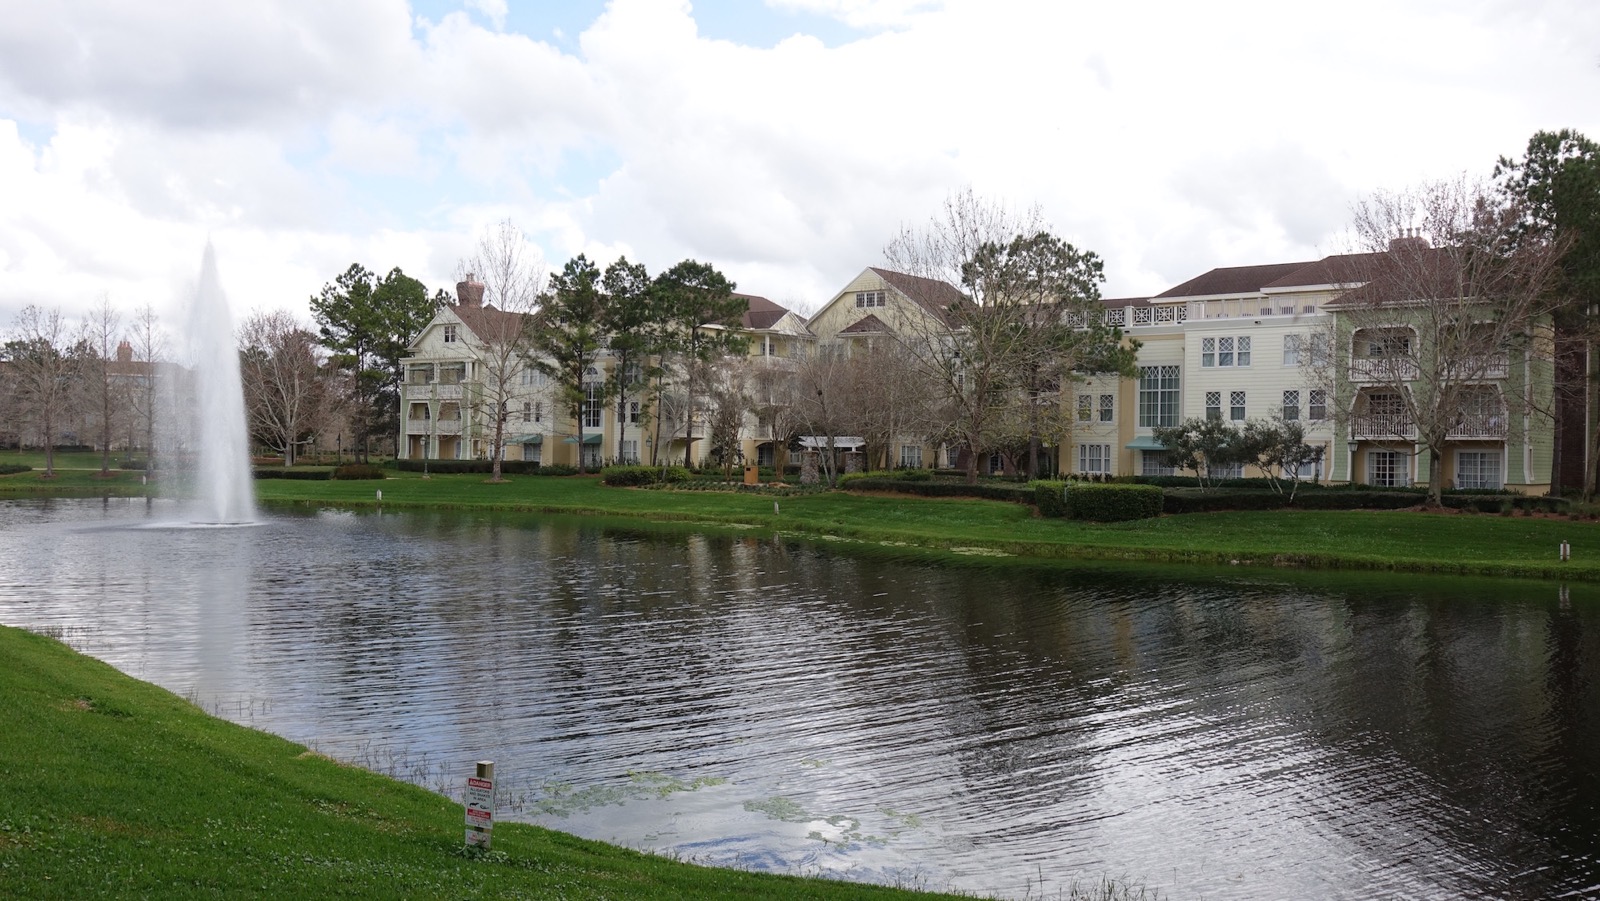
(359, 471)
(635, 476)
(1112, 502)
(1050, 498)
(300, 475)
(12, 469)
(914, 475)
(507, 467)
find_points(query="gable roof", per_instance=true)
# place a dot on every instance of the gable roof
(1338, 269)
(1232, 280)
(760, 313)
(933, 295)
(868, 324)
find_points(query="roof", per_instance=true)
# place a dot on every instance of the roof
(1118, 302)
(1339, 269)
(486, 321)
(1230, 280)
(931, 294)
(760, 313)
(868, 324)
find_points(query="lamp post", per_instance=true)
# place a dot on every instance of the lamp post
(338, 449)
(1352, 446)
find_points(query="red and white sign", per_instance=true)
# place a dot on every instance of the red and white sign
(480, 810)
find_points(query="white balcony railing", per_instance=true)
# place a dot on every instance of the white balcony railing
(433, 426)
(1387, 370)
(433, 390)
(1382, 425)
(1480, 425)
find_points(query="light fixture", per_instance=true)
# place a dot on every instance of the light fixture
(1352, 445)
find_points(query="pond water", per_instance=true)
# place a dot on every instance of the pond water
(767, 704)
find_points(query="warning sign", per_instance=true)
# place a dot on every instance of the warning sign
(480, 810)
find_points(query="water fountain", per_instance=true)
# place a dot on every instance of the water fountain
(209, 417)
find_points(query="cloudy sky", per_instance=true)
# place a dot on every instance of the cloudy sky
(784, 141)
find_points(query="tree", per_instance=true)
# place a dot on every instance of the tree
(149, 344)
(1278, 448)
(701, 316)
(1434, 317)
(287, 392)
(1007, 339)
(368, 323)
(43, 375)
(1202, 445)
(504, 326)
(99, 336)
(632, 322)
(1556, 189)
(568, 341)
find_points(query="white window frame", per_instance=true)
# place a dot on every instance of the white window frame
(1317, 404)
(866, 300)
(1094, 459)
(1085, 407)
(1236, 406)
(1108, 408)
(1293, 346)
(1152, 464)
(1160, 400)
(1291, 405)
(593, 411)
(450, 333)
(910, 456)
(1213, 404)
(1487, 472)
(1388, 469)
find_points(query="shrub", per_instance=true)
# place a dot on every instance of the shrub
(12, 469)
(133, 465)
(634, 476)
(1050, 498)
(914, 475)
(507, 467)
(305, 475)
(359, 471)
(1192, 500)
(1111, 502)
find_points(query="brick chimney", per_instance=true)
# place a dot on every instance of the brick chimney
(1408, 239)
(124, 352)
(469, 293)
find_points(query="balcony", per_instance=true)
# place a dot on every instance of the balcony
(1385, 370)
(1489, 426)
(1382, 425)
(433, 390)
(433, 426)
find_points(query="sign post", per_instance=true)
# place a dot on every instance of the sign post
(480, 805)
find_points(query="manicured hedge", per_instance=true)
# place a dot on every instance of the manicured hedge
(1050, 497)
(634, 476)
(507, 467)
(12, 469)
(1191, 500)
(1111, 502)
(994, 491)
(359, 471)
(303, 475)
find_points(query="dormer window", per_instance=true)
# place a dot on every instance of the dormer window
(450, 334)
(867, 299)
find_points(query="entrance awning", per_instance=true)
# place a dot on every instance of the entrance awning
(587, 439)
(527, 439)
(840, 442)
(1145, 443)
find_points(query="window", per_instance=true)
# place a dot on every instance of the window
(1316, 404)
(1226, 471)
(1213, 404)
(630, 450)
(1094, 458)
(530, 452)
(1291, 406)
(866, 299)
(1386, 469)
(952, 456)
(1085, 407)
(633, 412)
(450, 334)
(1158, 396)
(1292, 345)
(527, 411)
(765, 455)
(1222, 352)
(1385, 404)
(1153, 463)
(910, 456)
(1388, 345)
(1236, 405)
(1478, 469)
(593, 408)
(1108, 407)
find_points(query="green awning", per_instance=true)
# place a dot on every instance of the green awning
(1145, 443)
(587, 439)
(527, 439)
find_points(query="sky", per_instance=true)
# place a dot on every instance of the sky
(786, 142)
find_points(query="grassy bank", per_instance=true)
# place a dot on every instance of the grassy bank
(113, 787)
(1402, 541)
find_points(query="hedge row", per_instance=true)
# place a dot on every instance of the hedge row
(1193, 501)
(302, 475)
(1097, 501)
(635, 476)
(12, 469)
(354, 471)
(507, 467)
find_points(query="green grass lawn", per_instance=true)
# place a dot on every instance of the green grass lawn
(110, 787)
(1466, 544)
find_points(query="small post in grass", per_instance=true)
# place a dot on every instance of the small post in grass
(480, 805)
(1566, 552)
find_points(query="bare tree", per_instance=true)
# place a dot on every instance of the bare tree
(1008, 338)
(727, 399)
(501, 319)
(99, 337)
(43, 375)
(149, 345)
(1443, 309)
(286, 382)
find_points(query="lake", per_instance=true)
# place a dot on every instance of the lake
(1000, 728)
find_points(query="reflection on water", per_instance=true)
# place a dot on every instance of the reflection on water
(760, 704)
